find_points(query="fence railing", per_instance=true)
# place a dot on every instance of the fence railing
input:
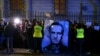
(72, 17)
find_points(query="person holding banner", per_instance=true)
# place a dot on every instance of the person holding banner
(56, 31)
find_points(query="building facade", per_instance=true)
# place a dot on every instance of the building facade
(1, 9)
(73, 10)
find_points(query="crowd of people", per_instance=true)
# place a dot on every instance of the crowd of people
(29, 34)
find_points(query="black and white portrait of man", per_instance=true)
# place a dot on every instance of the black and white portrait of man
(53, 41)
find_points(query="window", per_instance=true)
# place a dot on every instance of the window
(16, 4)
(17, 7)
(60, 7)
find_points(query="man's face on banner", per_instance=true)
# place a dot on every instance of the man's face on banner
(56, 34)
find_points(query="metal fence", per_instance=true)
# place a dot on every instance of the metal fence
(73, 17)
(40, 16)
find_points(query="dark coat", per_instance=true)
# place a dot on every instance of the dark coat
(9, 30)
(50, 49)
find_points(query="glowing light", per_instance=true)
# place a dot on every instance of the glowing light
(16, 20)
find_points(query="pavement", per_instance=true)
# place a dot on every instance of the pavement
(23, 52)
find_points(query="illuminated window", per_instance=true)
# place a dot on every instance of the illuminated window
(60, 7)
(17, 7)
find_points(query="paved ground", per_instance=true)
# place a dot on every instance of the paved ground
(23, 52)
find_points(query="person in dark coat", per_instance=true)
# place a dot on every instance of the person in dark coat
(1, 34)
(9, 33)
